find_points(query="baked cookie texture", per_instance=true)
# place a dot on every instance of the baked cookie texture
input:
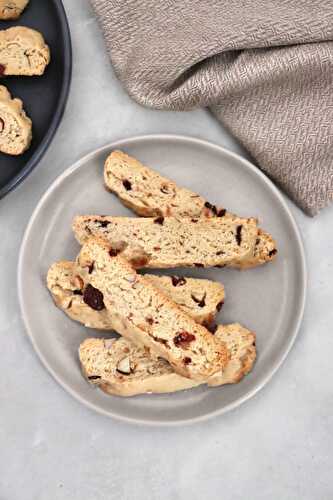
(149, 194)
(12, 9)
(15, 125)
(199, 298)
(121, 368)
(23, 52)
(166, 242)
(142, 313)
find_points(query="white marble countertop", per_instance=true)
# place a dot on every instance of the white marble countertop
(279, 445)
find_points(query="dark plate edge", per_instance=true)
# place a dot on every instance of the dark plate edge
(41, 150)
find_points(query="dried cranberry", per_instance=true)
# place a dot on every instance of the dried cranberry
(127, 185)
(102, 223)
(113, 252)
(221, 212)
(212, 328)
(183, 339)
(93, 298)
(272, 252)
(187, 360)
(239, 235)
(211, 207)
(219, 305)
(178, 281)
(159, 220)
(2, 70)
(200, 302)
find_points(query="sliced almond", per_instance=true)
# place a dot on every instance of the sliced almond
(124, 366)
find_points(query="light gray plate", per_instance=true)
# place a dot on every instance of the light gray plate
(268, 300)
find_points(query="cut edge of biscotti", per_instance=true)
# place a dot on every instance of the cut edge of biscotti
(121, 368)
(23, 52)
(139, 311)
(15, 125)
(200, 298)
(149, 194)
(169, 242)
(12, 9)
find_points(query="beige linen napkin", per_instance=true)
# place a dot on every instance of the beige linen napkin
(265, 69)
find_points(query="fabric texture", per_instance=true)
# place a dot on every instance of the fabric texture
(264, 68)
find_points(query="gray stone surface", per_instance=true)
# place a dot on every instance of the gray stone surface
(279, 445)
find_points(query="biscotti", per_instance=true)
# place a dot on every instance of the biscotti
(12, 9)
(165, 242)
(139, 311)
(121, 368)
(149, 194)
(15, 126)
(23, 51)
(199, 298)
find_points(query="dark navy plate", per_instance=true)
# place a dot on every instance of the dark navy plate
(44, 97)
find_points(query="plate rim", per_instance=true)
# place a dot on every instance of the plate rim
(302, 296)
(56, 120)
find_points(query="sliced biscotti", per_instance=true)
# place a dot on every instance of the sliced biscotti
(12, 9)
(139, 311)
(121, 368)
(15, 126)
(23, 51)
(165, 242)
(148, 193)
(199, 298)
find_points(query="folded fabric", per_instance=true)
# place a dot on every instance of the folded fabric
(265, 69)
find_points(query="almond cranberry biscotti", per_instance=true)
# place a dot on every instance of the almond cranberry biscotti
(121, 368)
(199, 298)
(12, 9)
(165, 242)
(15, 126)
(149, 194)
(23, 52)
(142, 313)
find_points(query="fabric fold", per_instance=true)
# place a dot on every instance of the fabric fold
(264, 68)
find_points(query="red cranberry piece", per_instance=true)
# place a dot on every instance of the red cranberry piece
(183, 339)
(178, 281)
(93, 298)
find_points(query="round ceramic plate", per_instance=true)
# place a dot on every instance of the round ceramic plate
(44, 97)
(269, 300)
